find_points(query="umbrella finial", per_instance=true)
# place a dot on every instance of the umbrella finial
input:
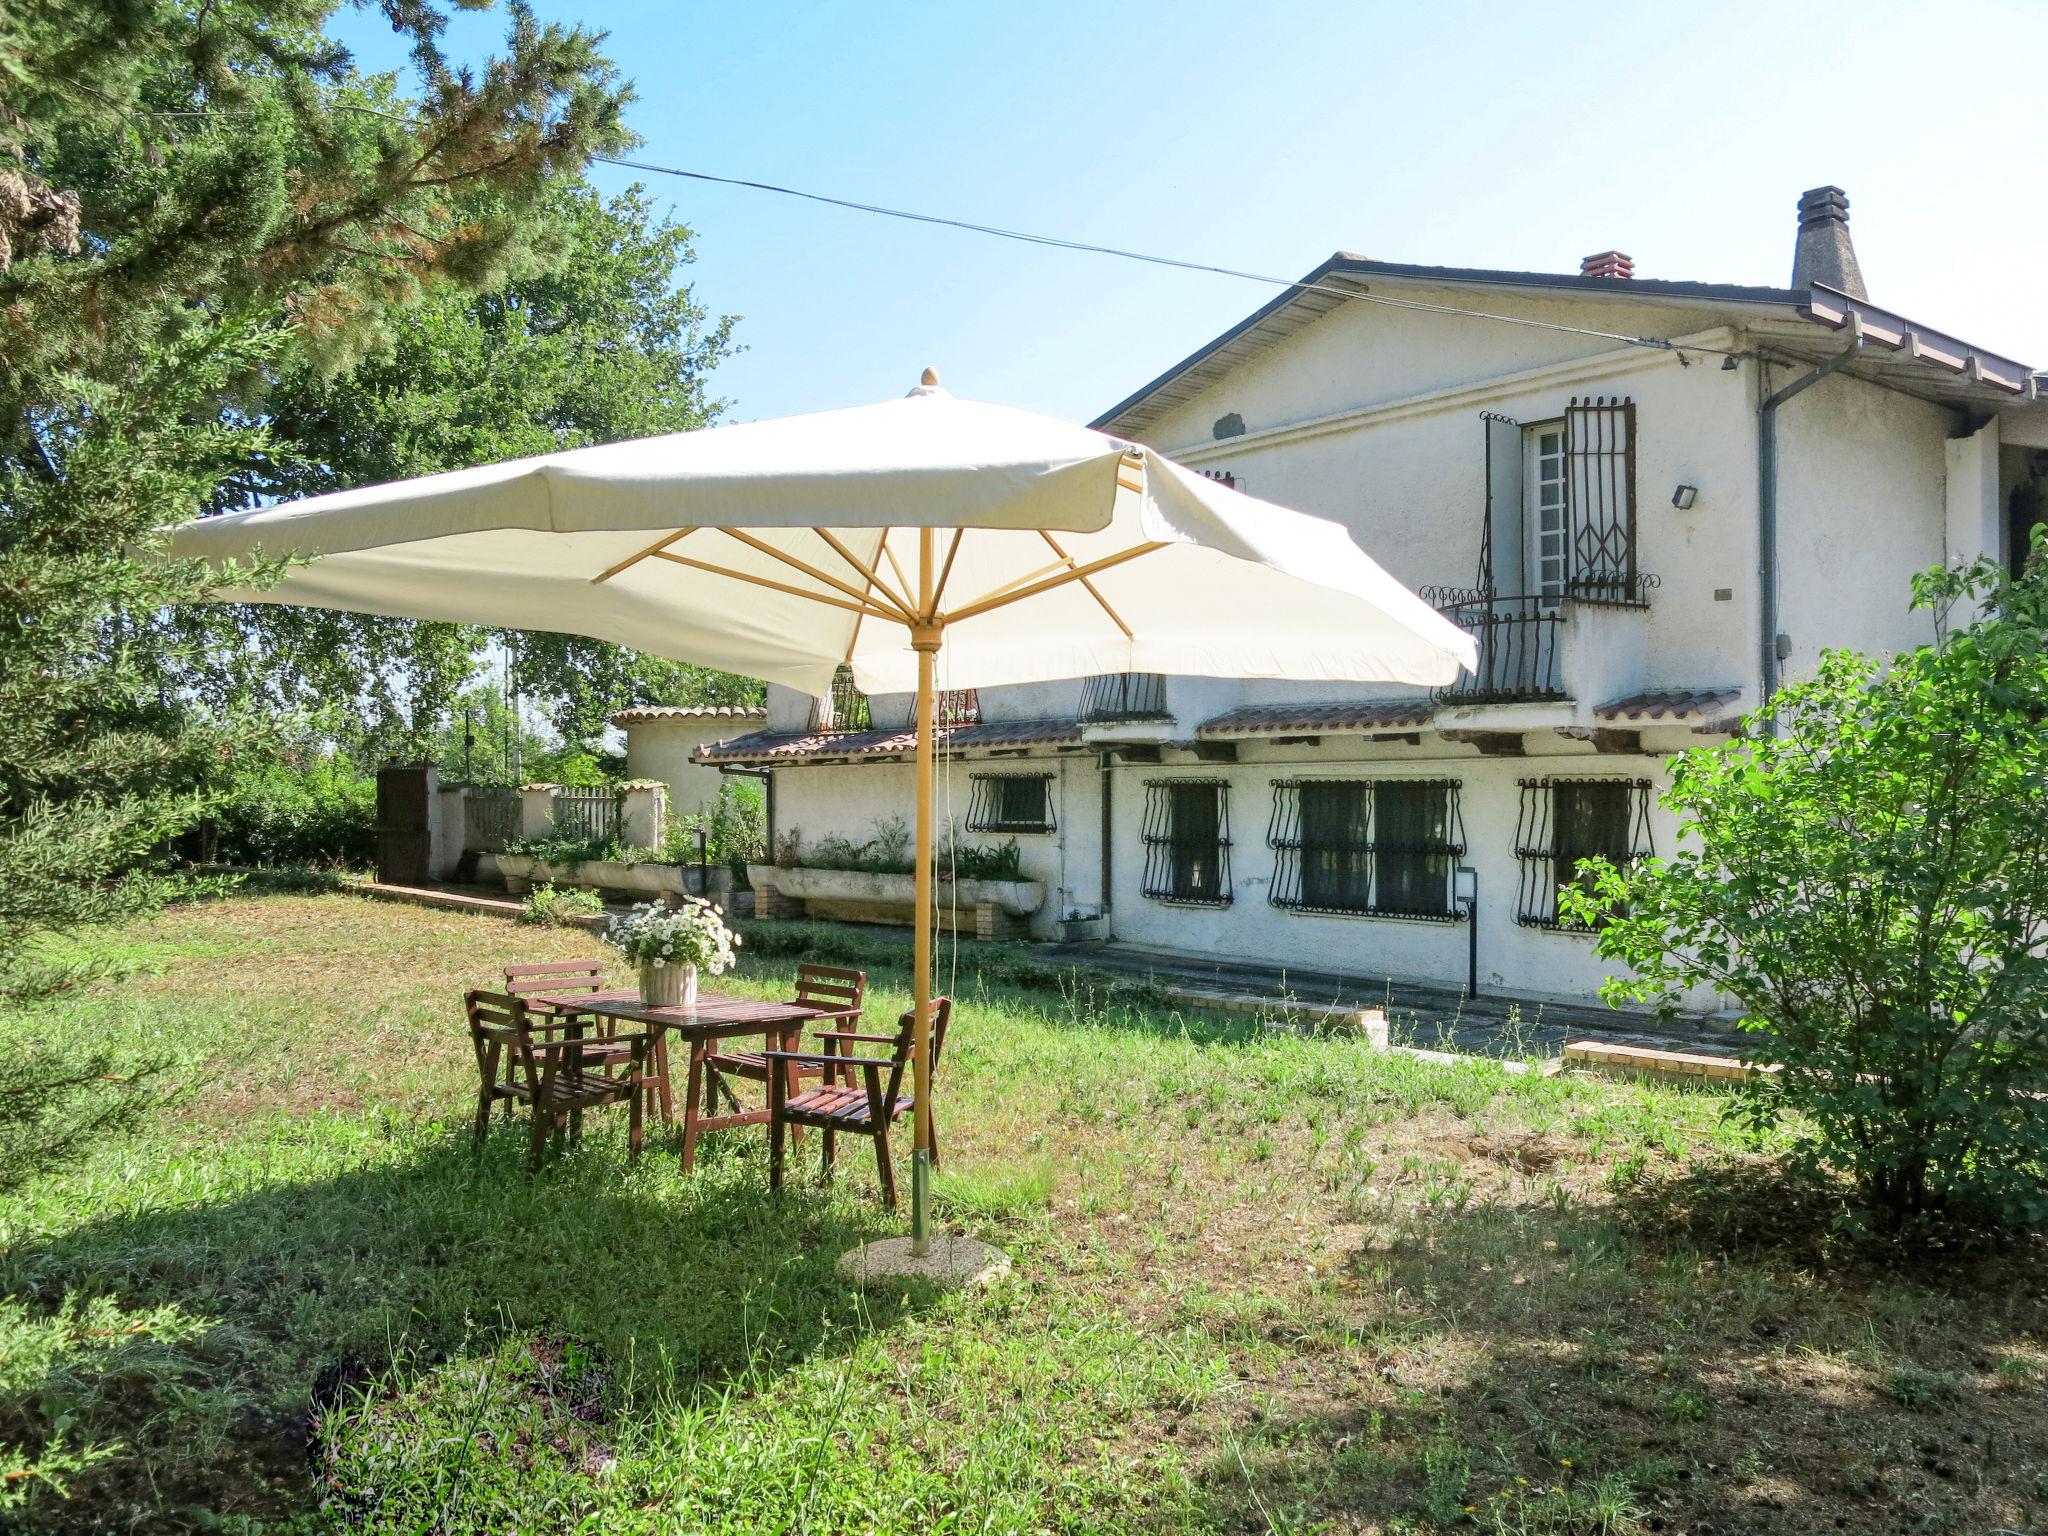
(931, 376)
(929, 385)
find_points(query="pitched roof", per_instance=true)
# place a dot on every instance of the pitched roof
(645, 713)
(1312, 719)
(1675, 704)
(1918, 358)
(798, 746)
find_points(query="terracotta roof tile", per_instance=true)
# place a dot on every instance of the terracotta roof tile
(795, 746)
(1674, 704)
(649, 712)
(1313, 719)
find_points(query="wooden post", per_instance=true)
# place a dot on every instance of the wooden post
(925, 639)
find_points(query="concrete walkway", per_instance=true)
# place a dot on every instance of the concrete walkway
(1434, 1018)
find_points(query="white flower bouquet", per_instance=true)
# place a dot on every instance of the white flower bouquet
(671, 944)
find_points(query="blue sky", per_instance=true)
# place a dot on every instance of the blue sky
(1266, 136)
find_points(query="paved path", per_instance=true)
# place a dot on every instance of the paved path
(1433, 1017)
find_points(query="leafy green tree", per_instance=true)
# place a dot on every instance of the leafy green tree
(590, 340)
(196, 198)
(1870, 884)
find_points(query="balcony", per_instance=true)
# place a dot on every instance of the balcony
(847, 709)
(1519, 643)
(1116, 698)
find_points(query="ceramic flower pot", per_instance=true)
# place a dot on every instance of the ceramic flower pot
(668, 986)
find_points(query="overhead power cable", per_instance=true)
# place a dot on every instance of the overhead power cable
(1085, 247)
(1058, 243)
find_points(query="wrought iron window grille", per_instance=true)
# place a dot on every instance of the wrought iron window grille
(1010, 802)
(1124, 696)
(1186, 832)
(1367, 847)
(1563, 821)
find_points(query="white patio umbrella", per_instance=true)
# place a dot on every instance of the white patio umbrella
(1028, 548)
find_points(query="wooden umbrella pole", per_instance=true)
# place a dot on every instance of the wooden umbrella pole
(925, 639)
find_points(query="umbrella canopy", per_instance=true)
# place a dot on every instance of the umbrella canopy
(1028, 548)
(781, 549)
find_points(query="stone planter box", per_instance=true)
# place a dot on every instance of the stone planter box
(523, 873)
(996, 909)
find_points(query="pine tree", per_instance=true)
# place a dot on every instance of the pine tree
(197, 199)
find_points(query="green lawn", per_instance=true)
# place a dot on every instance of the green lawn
(1262, 1284)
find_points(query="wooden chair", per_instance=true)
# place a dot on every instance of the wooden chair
(559, 976)
(554, 1078)
(837, 1105)
(827, 987)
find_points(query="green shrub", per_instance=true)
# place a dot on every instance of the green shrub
(308, 808)
(547, 907)
(735, 828)
(1866, 873)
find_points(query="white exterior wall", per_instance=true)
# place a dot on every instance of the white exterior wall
(662, 749)
(851, 800)
(1862, 507)
(1528, 962)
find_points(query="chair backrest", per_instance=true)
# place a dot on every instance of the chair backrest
(498, 1031)
(831, 987)
(555, 976)
(942, 1012)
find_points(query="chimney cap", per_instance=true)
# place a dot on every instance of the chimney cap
(1607, 264)
(1823, 203)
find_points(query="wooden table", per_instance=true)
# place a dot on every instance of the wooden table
(715, 1016)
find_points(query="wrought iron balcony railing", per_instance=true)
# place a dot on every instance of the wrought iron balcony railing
(1518, 645)
(1115, 696)
(844, 709)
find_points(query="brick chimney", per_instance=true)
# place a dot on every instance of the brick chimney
(1825, 254)
(1607, 264)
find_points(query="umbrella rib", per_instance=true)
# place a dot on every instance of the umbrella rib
(632, 560)
(902, 576)
(873, 576)
(1089, 586)
(778, 586)
(888, 608)
(946, 570)
(1002, 599)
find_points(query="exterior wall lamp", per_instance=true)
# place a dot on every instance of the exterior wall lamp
(1684, 497)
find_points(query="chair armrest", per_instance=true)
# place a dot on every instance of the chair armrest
(847, 1034)
(584, 1045)
(814, 1059)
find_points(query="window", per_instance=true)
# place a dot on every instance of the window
(1010, 802)
(1373, 847)
(1187, 841)
(1561, 507)
(1565, 820)
(1547, 538)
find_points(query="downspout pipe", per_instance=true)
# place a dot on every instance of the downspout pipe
(1767, 507)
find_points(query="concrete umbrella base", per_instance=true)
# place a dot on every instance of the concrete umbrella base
(951, 1263)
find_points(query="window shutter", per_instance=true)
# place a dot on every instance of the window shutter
(1500, 541)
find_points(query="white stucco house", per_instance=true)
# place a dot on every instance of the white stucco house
(1653, 501)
